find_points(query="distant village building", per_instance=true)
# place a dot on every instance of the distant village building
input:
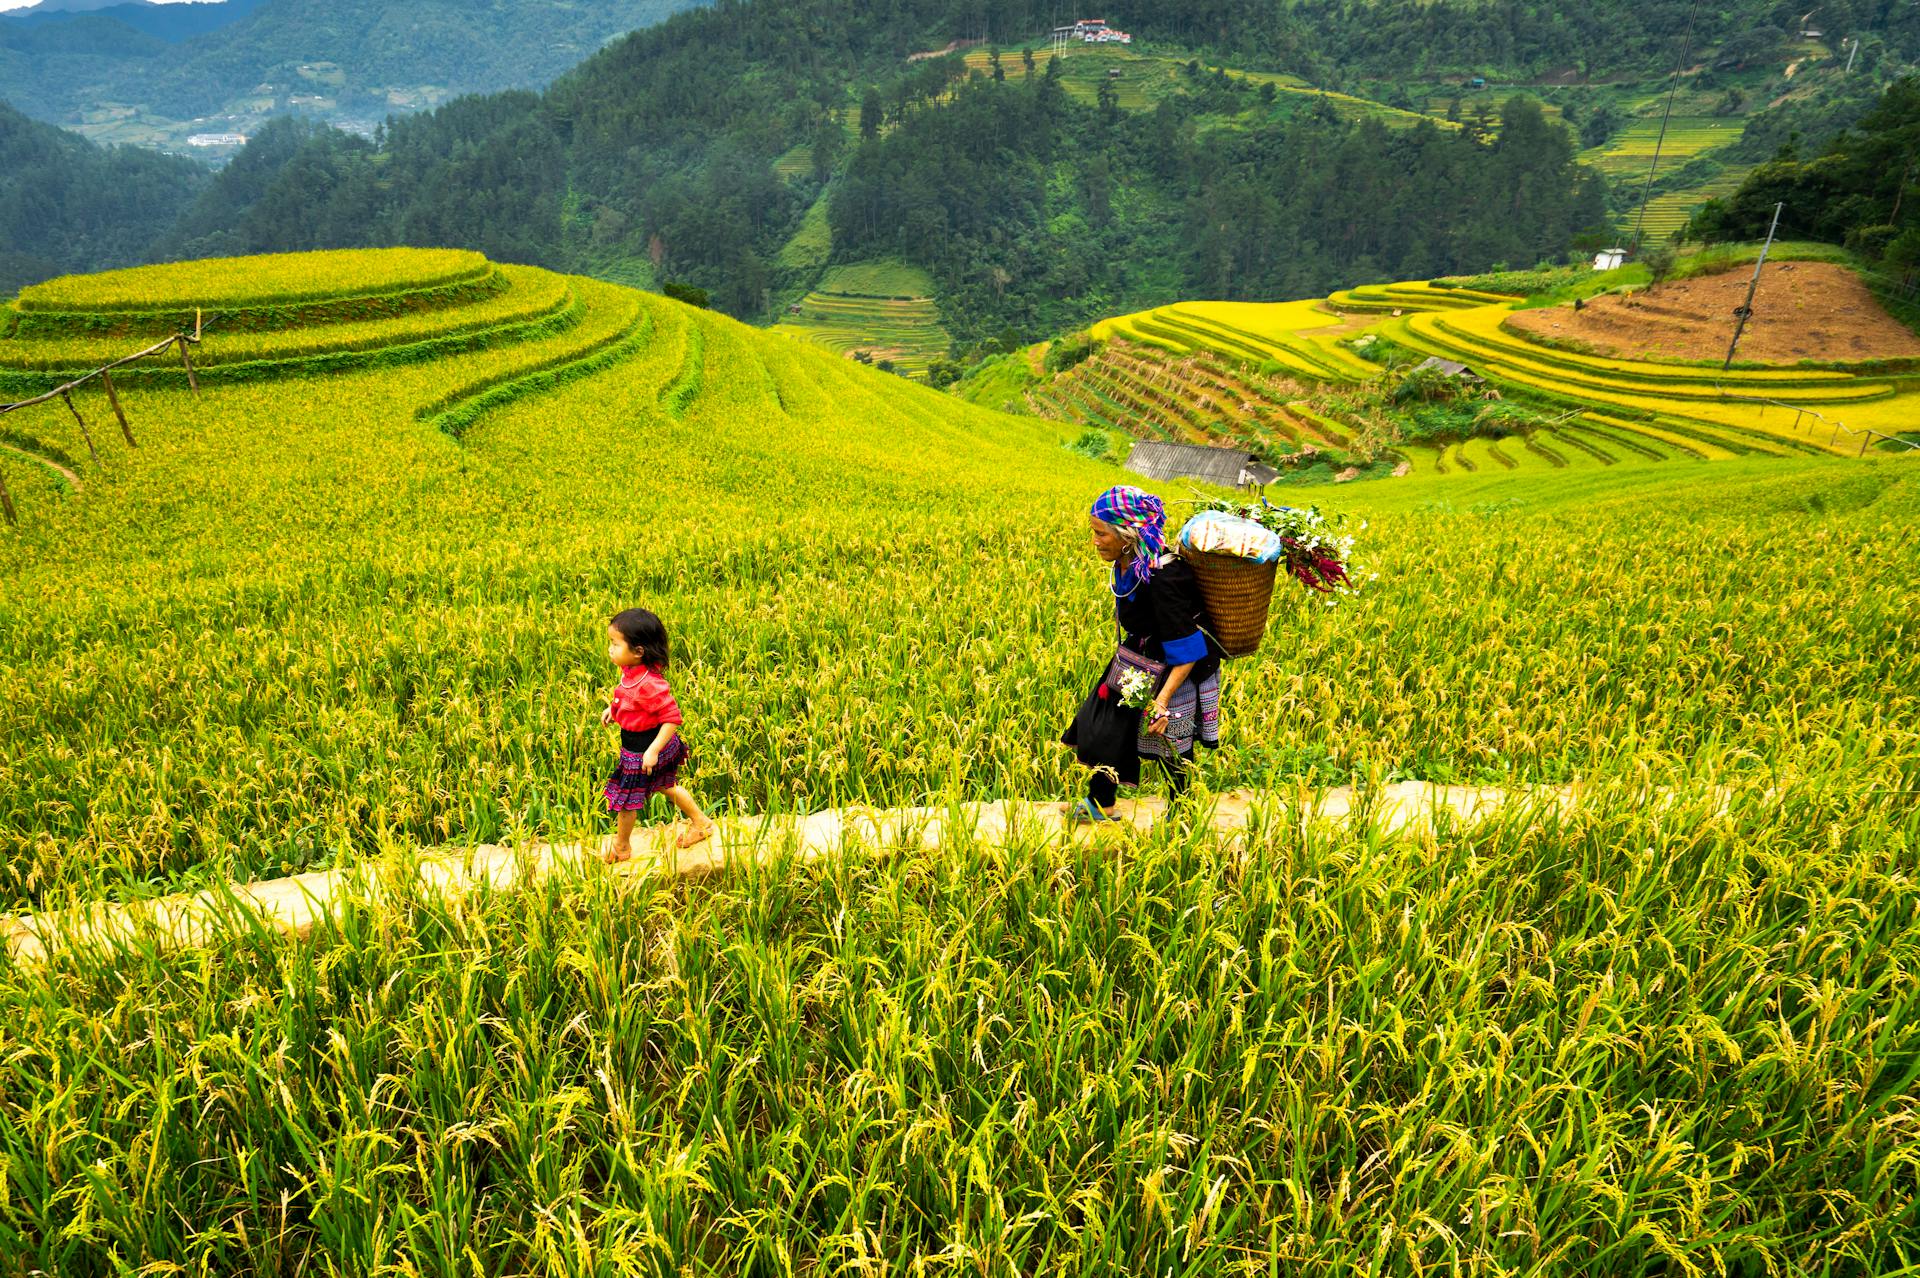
(1225, 467)
(1609, 259)
(1092, 31)
(217, 139)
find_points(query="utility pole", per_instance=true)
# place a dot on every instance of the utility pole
(1745, 312)
(1851, 53)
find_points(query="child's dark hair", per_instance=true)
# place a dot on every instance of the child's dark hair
(645, 633)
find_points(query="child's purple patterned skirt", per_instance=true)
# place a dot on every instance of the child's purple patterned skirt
(631, 785)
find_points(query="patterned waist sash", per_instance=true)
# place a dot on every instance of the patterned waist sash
(1193, 713)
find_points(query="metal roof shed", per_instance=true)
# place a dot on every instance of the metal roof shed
(1226, 467)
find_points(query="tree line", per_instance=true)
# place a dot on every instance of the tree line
(1861, 190)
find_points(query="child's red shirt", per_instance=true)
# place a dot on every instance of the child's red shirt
(644, 701)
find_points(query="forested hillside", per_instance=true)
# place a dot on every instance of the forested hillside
(1861, 190)
(1039, 214)
(743, 148)
(67, 205)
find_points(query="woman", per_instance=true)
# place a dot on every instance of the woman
(1161, 622)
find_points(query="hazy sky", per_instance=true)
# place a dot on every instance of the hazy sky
(21, 4)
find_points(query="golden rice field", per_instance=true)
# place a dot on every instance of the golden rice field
(1604, 411)
(1683, 410)
(316, 620)
(1291, 336)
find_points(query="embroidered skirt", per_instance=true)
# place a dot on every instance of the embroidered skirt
(1112, 738)
(631, 785)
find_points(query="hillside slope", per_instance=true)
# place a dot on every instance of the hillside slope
(330, 611)
(349, 60)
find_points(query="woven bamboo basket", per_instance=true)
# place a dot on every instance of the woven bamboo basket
(1238, 594)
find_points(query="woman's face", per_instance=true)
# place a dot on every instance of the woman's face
(1107, 542)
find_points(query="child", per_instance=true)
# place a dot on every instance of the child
(652, 751)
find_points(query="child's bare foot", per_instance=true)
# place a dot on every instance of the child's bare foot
(617, 853)
(695, 835)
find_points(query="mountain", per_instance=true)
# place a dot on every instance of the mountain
(169, 22)
(146, 74)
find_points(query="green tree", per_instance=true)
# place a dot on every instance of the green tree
(872, 113)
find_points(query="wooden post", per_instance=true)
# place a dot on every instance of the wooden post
(87, 434)
(6, 501)
(193, 383)
(1836, 435)
(113, 397)
(1865, 435)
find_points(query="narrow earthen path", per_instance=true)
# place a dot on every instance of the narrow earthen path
(46, 461)
(297, 905)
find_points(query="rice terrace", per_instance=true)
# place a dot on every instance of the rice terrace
(841, 643)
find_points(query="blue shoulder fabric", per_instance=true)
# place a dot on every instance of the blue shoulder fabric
(1182, 651)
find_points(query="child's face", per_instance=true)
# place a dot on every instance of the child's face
(618, 650)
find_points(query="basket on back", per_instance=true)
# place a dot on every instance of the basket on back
(1238, 593)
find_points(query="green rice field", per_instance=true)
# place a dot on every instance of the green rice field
(884, 310)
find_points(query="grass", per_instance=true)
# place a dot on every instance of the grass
(1637, 1040)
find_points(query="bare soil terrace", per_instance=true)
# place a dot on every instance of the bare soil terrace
(1802, 311)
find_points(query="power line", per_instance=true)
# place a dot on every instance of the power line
(1686, 50)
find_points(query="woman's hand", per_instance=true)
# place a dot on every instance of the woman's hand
(1157, 720)
(651, 759)
(606, 716)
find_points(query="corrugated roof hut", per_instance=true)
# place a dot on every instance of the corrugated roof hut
(1448, 367)
(1226, 467)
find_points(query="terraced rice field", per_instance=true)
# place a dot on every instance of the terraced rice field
(883, 310)
(1281, 334)
(1628, 153)
(1667, 213)
(308, 623)
(1194, 398)
(1145, 77)
(1671, 410)
(796, 163)
(1409, 296)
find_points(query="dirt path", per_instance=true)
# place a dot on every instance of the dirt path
(1803, 310)
(48, 462)
(295, 906)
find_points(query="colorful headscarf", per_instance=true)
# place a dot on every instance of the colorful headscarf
(1141, 513)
